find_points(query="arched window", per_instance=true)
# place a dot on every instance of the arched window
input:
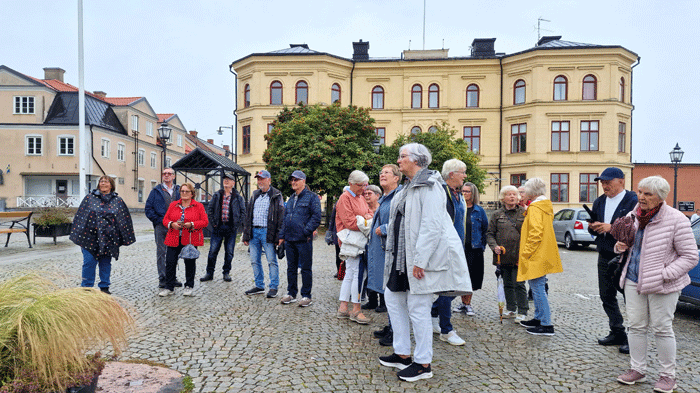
(434, 96)
(432, 129)
(276, 93)
(416, 96)
(590, 88)
(335, 93)
(519, 92)
(622, 89)
(561, 88)
(302, 93)
(415, 130)
(472, 96)
(377, 97)
(246, 96)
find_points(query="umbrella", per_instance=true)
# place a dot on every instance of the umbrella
(500, 293)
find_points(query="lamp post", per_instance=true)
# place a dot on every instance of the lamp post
(234, 148)
(164, 132)
(676, 157)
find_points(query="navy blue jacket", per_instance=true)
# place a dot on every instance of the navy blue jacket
(156, 206)
(301, 218)
(236, 210)
(605, 242)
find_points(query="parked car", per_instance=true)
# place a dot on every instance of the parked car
(691, 293)
(571, 228)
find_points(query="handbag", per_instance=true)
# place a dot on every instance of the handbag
(280, 252)
(189, 251)
(341, 271)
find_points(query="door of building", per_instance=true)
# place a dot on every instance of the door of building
(61, 190)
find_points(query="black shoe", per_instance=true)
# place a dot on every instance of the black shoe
(381, 333)
(335, 275)
(380, 309)
(415, 372)
(178, 284)
(207, 277)
(625, 348)
(105, 290)
(388, 340)
(531, 323)
(613, 339)
(541, 330)
(369, 306)
(161, 285)
(227, 278)
(395, 360)
(255, 291)
(272, 293)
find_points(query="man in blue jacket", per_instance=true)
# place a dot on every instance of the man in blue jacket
(156, 205)
(302, 216)
(615, 202)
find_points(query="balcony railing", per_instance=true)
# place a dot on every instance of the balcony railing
(47, 201)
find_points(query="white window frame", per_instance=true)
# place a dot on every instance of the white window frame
(104, 148)
(41, 145)
(154, 159)
(19, 109)
(134, 123)
(179, 140)
(141, 157)
(149, 128)
(121, 150)
(58, 145)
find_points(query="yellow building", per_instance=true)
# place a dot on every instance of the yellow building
(39, 134)
(561, 110)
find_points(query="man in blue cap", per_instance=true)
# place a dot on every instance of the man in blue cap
(301, 218)
(615, 202)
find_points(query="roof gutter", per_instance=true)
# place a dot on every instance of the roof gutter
(234, 134)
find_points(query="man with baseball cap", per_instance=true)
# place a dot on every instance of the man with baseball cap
(615, 202)
(301, 218)
(261, 228)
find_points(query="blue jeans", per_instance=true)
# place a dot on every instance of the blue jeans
(539, 297)
(89, 265)
(442, 307)
(299, 255)
(257, 242)
(220, 235)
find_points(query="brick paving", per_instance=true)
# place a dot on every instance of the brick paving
(228, 342)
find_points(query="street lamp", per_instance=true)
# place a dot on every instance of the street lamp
(164, 132)
(234, 148)
(676, 157)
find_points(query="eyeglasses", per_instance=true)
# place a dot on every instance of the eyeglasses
(294, 179)
(402, 156)
(466, 191)
(168, 173)
(185, 192)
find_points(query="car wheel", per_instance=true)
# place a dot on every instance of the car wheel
(568, 242)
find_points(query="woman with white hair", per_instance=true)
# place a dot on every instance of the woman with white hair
(351, 204)
(539, 254)
(503, 237)
(424, 256)
(661, 255)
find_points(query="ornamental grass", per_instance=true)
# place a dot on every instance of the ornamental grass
(47, 331)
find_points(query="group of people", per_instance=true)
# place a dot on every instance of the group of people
(423, 244)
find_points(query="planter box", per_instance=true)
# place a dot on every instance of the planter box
(53, 231)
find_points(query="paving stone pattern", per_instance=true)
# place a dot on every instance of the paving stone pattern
(228, 342)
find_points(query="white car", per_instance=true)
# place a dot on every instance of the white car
(571, 228)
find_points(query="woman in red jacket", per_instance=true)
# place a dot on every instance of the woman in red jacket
(185, 220)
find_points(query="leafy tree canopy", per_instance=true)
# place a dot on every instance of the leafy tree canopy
(326, 142)
(443, 146)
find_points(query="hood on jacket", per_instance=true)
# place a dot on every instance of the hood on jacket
(543, 204)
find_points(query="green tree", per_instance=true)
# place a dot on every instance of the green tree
(443, 146)
(326, 142)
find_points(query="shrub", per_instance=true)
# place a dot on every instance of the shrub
(52, 216)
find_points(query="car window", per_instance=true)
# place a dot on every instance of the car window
(568, 215)
(558, 215)
(583, 216)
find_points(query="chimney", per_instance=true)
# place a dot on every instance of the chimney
(483, 47)
(54, 73)
(211, 141)
(100, 94)
(226, 147)
(193, 133)
(547, 39)
(360, 50)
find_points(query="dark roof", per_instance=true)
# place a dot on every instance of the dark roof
(202, 162)
(64, 111)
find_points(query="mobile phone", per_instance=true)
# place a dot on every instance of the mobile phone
(590, 213)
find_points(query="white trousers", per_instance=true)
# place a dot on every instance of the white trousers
(651, 312)
(403, 308)
(349, 290)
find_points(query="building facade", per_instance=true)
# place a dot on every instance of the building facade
(39, 133)
(561, 111)
(687, 186)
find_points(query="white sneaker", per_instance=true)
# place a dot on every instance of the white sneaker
(436, 325)
(470, 310)
(165, 292)
(519, 318)
(187, 292)
(452, 338)
(462, 308)
(509, 314)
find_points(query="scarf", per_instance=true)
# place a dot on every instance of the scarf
(644, 217)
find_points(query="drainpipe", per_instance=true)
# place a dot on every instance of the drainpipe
(234, 134)
(92, 150)
(639, 59)
(500, 128)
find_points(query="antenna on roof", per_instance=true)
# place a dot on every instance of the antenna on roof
(424, 24)
(443, 43)
(409, 44)
(539, 29)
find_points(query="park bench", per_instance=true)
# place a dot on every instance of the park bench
(13, 222)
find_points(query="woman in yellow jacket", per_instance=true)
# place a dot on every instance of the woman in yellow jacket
(539, 254)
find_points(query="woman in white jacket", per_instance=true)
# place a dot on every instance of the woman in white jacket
(424, 256)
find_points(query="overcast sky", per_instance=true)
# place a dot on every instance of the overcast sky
(176, 53)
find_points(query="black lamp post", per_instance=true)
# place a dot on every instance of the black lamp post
(676, 157)
(164, 132)
(233, 137)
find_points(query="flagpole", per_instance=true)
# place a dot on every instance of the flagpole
(82, 134)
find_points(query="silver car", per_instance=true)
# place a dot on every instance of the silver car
(571, 228)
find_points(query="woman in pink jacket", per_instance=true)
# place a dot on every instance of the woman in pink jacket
(655, 271)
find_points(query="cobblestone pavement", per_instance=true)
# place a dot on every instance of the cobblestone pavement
(227, 341)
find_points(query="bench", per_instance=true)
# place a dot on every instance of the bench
(13, 222)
